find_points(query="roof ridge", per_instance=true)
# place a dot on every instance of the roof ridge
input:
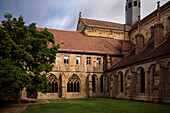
(102, 21)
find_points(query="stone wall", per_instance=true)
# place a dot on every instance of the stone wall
(156, 80)
(146, 26)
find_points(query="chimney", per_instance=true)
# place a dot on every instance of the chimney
(158, 28)
(139, 38)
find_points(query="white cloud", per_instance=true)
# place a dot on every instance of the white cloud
(63, 14)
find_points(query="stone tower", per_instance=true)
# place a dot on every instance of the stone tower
(132, 9)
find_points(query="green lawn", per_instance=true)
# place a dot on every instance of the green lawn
(96, 105)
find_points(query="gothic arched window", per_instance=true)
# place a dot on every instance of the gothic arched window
(94, 83)
(142, 80)
(53, 83)
(101, 83)
(121, 81)
(73, 84)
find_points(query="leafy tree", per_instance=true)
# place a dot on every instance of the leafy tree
(25, 56)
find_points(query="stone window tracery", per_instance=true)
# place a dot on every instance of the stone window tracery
(73, 84)
(53, 83)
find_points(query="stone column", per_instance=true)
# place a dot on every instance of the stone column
(115, 86)
(133, 85)
(147, 92)
(111, 86)
(63, 86)
(162, 82)
(90, 86)
(151, 83)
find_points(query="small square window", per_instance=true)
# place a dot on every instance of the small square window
(78, 60)
(88, 62)
(98, 61)
(66, 59)
(135, 3)
(130, 5)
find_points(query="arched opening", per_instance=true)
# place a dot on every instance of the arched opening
(53, 87)
(127, 82)
(78, 87)
(142, 80)
(121, 81)
(73, 84)
(53, 83)
(107, 78)
(152, 74)
(68, 87)
(94, 83)
(101, 83)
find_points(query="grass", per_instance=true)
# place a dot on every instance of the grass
(97, 105)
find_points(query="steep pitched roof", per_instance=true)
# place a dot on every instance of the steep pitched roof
(104, 24)
(148, 53)
(74, 41)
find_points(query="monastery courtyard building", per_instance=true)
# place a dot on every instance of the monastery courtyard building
(106, 59)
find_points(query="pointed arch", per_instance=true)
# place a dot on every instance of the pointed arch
(152, 73)
(94, 83)
(53, 82)
(120, 74)
(73, 84)
(101, 83)
(141, 72)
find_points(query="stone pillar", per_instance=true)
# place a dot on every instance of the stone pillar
(115, 86)
(90, 86)
(87, 86)
(151, 83)
(63, 86)
(162, 82)
(147, 92)
(133, 85)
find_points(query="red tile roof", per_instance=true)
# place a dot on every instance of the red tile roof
(148, 53)
(74, 41)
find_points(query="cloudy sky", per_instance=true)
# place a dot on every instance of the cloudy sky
(63, 14)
